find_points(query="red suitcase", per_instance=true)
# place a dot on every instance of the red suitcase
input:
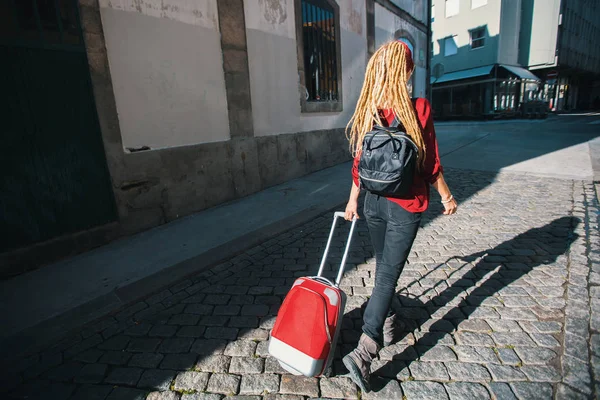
(308, 323)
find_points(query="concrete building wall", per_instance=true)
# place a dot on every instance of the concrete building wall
(416, 8)
(458, 27)
(510, 26)
(389, 26)
(539, 30)
(167, 70)
(273, 64)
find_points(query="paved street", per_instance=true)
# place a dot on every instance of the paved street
(500, 301)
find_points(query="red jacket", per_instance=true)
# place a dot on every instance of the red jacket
(418, 198)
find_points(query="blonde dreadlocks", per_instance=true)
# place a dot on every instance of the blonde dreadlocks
(385, 87)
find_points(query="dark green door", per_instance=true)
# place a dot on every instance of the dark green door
(53, 174)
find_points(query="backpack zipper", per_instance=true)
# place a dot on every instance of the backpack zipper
(376, 180)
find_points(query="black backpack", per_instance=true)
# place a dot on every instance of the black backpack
(387, 162)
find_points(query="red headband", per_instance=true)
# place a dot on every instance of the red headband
(409, 60)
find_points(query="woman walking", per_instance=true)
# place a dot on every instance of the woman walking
(392, 222)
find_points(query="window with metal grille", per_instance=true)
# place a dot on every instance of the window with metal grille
(40, 22)
(477, 38)
(320, 51)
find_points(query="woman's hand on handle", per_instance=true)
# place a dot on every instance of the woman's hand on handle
(351, 210)
(352, 206)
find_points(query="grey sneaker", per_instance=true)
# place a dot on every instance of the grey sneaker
(358, 362)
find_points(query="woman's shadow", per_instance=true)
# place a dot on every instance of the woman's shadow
(491, 273)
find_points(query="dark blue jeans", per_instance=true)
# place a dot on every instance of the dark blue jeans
(393, 231)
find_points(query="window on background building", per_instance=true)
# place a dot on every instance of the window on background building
(478, 3)
(452, 7)
(450, 47)
(320, 50)
(477, 38)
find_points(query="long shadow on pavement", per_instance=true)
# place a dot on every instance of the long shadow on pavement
(489, 275)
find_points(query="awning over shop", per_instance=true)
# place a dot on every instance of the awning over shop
(465, 74)
(520, 72)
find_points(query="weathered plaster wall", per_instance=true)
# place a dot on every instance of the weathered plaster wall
(273, 61)
(167, 71)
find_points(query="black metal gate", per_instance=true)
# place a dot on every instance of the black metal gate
(53, 174)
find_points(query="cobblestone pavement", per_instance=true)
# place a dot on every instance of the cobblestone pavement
(499, 301)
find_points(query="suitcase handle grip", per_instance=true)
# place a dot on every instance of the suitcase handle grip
(336, 215)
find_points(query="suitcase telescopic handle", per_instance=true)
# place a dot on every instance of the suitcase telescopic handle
(336, 215)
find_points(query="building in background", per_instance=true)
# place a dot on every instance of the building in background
(511, 57)
(124, 115)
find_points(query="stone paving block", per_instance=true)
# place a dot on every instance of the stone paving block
(89, 356)
(253, 334)
(437, 353)
(144, 345)
(428, 371)
(64, 372)
(115, 357)
(467, 391)
(256, 310)
(467, 372)
(564, 392)
(475, 325)
(213, 363)
(545, 340)
(199, 309)
(224, 383)
(506, 373)
(214, 332)
(508, 356)
(115, 343)
(228, 310)
(139, 329)
(92, 392)
(512, 339)
(424, 390)
(246, 365)
(91, 373)
(201, 396)
(532, 390)
(184, 319)
(120, 393)
(165, 395)
(338, 388)
(576, 374)
(535, 355)
(158, 379)
(474, 339)
(541, 373)
(299, 385)
(191, 331)
(179, 361)
(176, 345)
(124, 376)
(191, 381)
(146, 360)
(272, 366)
(502, 391)
(259, 384)
(383, 389)
(479, 355)
(262, 350)
(243, 322)
(215, 320)
(240, 348)
(503, 325)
